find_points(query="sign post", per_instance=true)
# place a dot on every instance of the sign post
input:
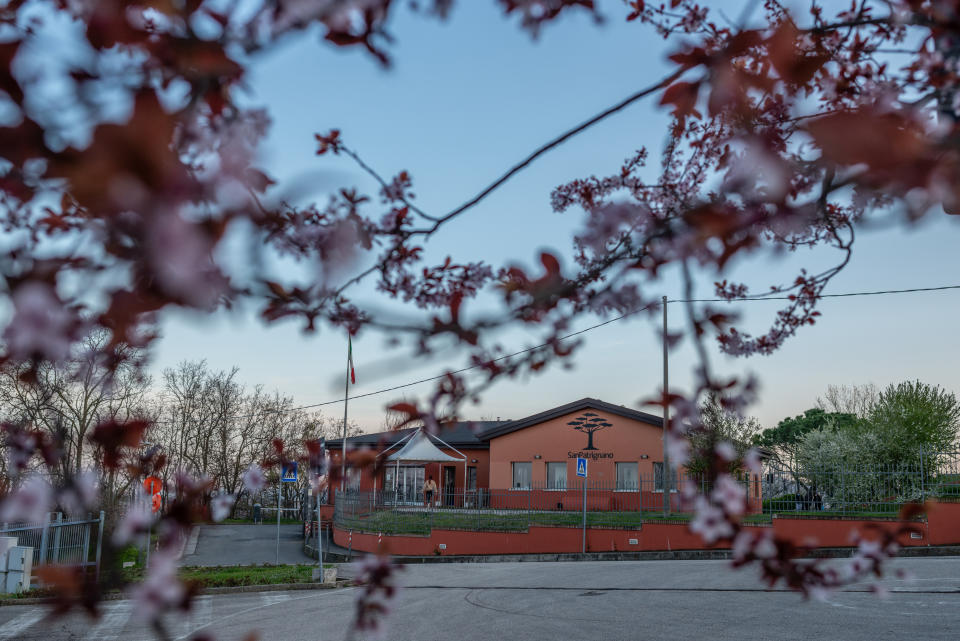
(288, 474)
(582, 473)
(152, 487)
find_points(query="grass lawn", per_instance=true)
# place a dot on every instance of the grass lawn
(422, 523)
(224, 576)
(480, 520)
(212, 577)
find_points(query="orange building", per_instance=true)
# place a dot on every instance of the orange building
(536, 455)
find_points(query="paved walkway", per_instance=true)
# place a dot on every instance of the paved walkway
(246, 545)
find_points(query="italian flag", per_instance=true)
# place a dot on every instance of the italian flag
(353, 374)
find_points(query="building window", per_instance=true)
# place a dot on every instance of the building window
(556, 476)
(522, 474)
(627, 476)
(471, 478)
(353, 479)
(658, 478)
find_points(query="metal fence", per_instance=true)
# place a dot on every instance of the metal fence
(877, 489)
(852, 490)
(60, 541)
(516, 509)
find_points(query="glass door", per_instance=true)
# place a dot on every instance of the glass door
(404, 483)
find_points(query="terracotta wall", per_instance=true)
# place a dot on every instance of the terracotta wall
(944, 523)
(539, 540)
(626, 440)
(943, 528)
(840, 532)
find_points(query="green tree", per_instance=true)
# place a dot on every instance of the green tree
(913, 416)
(722, 425)
(785, 442)
(838, 465)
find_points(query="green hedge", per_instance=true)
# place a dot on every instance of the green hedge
(782, 502)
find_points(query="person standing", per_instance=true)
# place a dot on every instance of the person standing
(429, 489)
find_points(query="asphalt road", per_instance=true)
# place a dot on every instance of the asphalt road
(649, 600)
(246, 545)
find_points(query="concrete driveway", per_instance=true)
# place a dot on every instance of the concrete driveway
(245, 545)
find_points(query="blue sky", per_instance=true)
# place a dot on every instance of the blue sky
(466, 99)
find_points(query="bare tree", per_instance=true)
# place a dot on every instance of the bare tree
(68, 400)
(849, 399)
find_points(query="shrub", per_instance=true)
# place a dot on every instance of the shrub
(782, 502)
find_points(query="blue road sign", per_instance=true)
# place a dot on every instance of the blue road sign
(289, 472)
(582, 467)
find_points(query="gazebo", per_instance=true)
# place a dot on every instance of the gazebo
(419, 448)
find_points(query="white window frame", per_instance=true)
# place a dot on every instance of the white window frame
(513, 475)
(675, 479)
(636, 467)
(556, 489)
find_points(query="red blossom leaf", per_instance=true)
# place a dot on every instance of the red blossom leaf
(114, 437)
(257, 180)
(683, 97)
(883, 141)
(330, 142)
(792, 65)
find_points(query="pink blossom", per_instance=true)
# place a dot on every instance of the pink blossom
(254, 479)
(727, 451)
(742, 545)
(746, 543)
(765, 548)
(81, 495)
(819, 592)
(136, 520)
(21, 446)
(181, 256)
(869, 548)
(220, 506)
(29, 503)
(377, 576)
(678, 449)
(729, 494)
(752, 461)
(161, 590)
(710, 522)
(41, 325)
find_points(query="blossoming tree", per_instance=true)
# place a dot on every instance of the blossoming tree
(787, 130)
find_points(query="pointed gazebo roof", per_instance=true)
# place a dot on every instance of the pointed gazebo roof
(419, 448)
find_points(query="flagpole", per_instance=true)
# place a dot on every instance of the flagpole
(343, 441)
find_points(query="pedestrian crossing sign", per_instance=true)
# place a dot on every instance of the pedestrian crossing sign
(582, 467)
(289, 472)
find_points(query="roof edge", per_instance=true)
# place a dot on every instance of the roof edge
(575, 406)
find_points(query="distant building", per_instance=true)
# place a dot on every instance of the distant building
(536, 453)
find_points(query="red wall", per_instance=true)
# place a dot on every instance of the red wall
(942, 528)
(538, 540)
(833, 533)
(944, 523)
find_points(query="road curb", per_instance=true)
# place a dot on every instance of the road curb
(190, 547)
(232, 589)
(657, 555)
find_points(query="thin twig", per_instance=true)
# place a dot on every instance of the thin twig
(559, 140)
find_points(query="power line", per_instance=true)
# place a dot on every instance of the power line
(746, 299)
(844, 295)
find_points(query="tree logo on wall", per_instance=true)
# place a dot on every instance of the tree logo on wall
(588, 423)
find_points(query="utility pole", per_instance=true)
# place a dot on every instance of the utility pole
(667, 476)
(343, 441)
